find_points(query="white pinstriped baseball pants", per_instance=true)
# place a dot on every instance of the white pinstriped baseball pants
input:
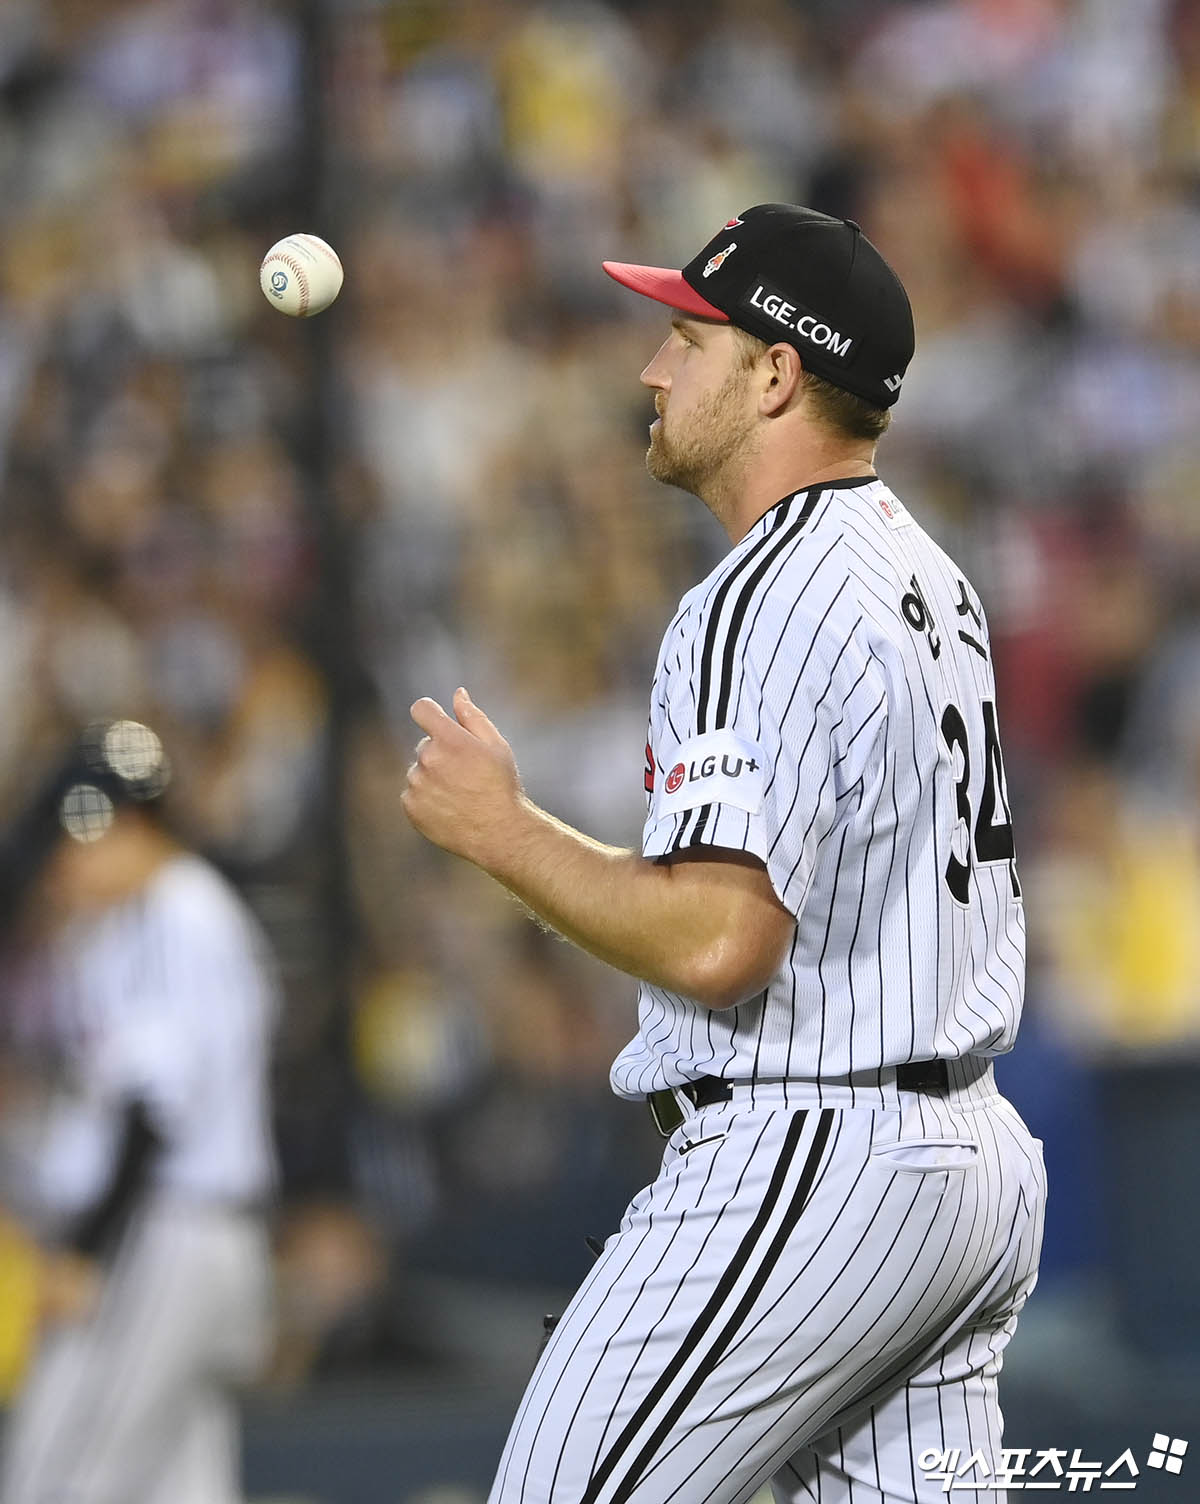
(811, 1296)
(136, 1405)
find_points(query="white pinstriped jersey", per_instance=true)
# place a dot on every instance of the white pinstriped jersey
(169, 996)
(825, 700)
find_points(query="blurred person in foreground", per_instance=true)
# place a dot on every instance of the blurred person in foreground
(827, 925)
(140, 991)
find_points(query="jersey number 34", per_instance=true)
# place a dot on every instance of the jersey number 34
(988, 839)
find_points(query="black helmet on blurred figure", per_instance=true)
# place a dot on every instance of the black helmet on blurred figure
(109, 765)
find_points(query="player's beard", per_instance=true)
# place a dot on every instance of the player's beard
(705, 448)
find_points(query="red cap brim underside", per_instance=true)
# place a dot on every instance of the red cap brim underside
(664, 286)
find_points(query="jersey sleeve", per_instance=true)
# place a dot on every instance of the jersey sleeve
(766, 741)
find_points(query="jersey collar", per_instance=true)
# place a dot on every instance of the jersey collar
(811, 493)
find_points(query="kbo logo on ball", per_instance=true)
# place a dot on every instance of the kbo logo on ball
(279, 282)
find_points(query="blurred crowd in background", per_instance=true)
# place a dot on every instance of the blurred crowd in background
(267, 537)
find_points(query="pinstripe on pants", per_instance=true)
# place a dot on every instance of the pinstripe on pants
(136, 1406)
(794, 1275)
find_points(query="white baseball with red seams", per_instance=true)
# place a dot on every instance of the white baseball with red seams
(300, 275)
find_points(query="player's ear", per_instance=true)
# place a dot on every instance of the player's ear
(782, 369)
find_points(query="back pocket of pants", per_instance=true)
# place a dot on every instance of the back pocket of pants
(918, 1156)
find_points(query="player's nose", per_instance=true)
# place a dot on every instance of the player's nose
(655, 375)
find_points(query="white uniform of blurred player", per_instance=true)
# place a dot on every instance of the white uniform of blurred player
(149, 1180)
(827, 925)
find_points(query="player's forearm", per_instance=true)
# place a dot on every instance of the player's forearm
(100, 1227)
(713, 931)
(639, 916)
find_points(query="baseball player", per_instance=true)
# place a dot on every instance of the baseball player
(825, 920)
(147, 1177)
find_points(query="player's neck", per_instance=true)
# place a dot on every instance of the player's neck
(772, 481)
(115, 868)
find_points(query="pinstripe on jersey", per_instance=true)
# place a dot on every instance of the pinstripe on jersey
(170, 997)
(825, 700)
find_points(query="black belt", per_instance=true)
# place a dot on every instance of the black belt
(914, 1075)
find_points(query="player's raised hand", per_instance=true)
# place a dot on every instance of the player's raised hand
(69, 1287)
(463, 790)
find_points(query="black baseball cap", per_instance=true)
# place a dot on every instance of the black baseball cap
(783, 272)
(106, 766)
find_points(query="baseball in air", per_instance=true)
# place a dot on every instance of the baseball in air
(300, 275)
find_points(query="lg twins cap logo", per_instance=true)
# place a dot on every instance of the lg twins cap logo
(766, 300)
(713, 262)
(719, 767)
